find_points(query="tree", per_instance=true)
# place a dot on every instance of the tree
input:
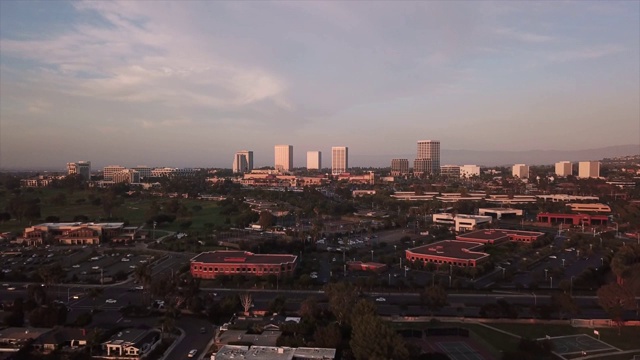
(276, 306)
(342, 297)
(615, 299)
(434, 298)
(565, 304)
(266, 219)
(329, 336)
(247, 302)
(309, 308)
(372, 338)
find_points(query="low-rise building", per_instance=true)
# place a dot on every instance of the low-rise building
(131, 343)
(366, 266)
(236, 352)
(461, 222)
(451, 252)
(499, 213)
(208, 265)
(76, 233)
(573, 219)
(497, 236)
(595, 208)
(12, 339)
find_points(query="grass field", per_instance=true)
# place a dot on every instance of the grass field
(133, 210)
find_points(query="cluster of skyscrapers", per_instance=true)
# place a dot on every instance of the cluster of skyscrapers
(283, 159)
(586, 169)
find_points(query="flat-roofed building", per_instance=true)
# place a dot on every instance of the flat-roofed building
(573, 219)
(145, 171)
(430, 149)
(588, 169)
(70, 233)
(520, 171)
(242, 161)
(412, 196)
(497, 236)
(566, 197)
(499, 213)
(564, 168)
(314, 160)
(422, 167)
(131, 343)
(452, 171)
(109, 171)
(83, 168)
(596, 208)
(128, 176)
(450, 252)
(399, 167)
(283, 155)
(208, 265)
(339, 160)
(461, 222)
(467, 171)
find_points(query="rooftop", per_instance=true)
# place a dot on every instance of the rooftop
(452, 249)
(21, 333)
(244, 257)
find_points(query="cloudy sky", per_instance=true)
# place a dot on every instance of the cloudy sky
(189, 83)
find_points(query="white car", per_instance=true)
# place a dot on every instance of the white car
(125, 259)
(553, 257)
(313, 276)
(381, 299)
(111, 301)
(192, 353)
(95, 267)
(76, 266)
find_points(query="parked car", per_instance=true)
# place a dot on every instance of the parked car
(111, 301)
(192, 353)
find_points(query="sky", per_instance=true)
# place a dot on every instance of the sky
(188, 83)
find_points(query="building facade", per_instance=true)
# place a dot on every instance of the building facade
(208, 265)
(314, 160)
(70, 233)
(452, 171)
(520, 171)
(243, 161)
(430, 149)
(339, 160)
(109, 171)
(128, 176)
(81, 167)
(283, 157)
(564, 168)
(422, 167)
(589, 169)
(399, 167)
(448, 252)
(145, 171)
(467, 171)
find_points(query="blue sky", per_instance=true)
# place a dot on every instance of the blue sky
(190, 83)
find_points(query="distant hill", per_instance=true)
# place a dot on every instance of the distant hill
(534, 157)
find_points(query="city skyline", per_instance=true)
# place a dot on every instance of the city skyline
(187, 84)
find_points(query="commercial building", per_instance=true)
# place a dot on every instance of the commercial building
(422, 167)
(108, 171)
(597, 208)
(467, 171)
(145, 171)
(573, 219)
(131, 343)
(168, 172)
(208, 265)
(430, 149)
(70, 233)
(128, 176)
(567, 197)
(461, 222)
(283, 157)
(339, 160)
(243, 352)
(314, 160)
(588, 169)
(452, 171)
(497, 236)
(499, 213)
(449, 252)
(81, 167)
(564, 168)
(243, 161)
(520, 171)
(399, 167)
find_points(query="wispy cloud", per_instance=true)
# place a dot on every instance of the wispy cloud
(522, 36)
(150, 124)
(585, 53)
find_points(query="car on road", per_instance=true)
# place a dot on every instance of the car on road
(111, 301)
(11, 288)
(553, 257)
(124, 259)
(381, 299)
(95, 267)
(203, 330)
(76, 266)
(192, 353)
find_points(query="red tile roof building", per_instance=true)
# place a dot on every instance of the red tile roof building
(574, 219)
(209, 265)
(497, 236)
(453, 252)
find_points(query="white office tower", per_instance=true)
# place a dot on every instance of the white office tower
(430, 149)
(109, 171)
(467, 171)
(314, 160)
(243, 161)
(83, 168)
(339, 159)
(283, 157)
(589, 169)
(521, 171)
(564, 168)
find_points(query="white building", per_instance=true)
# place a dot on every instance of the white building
(430, 149)
(108, 171)
(521, 171)
(564, 168)
(339, 159)
(314, 160)
(129, 176)
(81, 167)
(589, 169)
(145, 171)
(283, 157)
(461, 222)
(452, 171)
(243, 161)
(469, 171)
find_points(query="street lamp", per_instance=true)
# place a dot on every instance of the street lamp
(571, 287)
(395, 247)
(562, 262)
(602, 261)
(535, 299)
(550, 282)
(371, 255)
(545, 274)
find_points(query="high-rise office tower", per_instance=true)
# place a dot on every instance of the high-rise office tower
(520, 170)
(339, 159)
(430, 149)
(564, 168)
(589, 169)
(243, 161)
(314, 160)
(284, 157)
(399, 167)
(81, 167)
